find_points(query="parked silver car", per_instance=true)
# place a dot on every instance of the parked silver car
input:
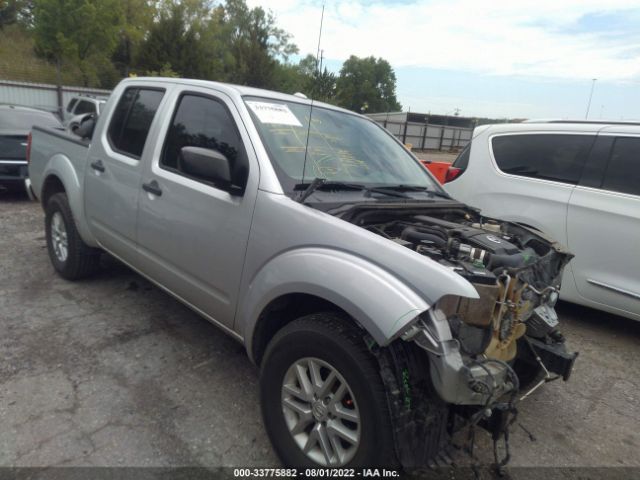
(376, 306)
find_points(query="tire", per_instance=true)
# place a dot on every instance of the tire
(329, 341)
(80, 260)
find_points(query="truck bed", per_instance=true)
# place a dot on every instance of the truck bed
(53, 150)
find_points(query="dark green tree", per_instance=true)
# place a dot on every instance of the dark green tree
(323, 86)
(137, 18)
(367, 85)
(305, 77)
(255, 45)
(83, 33)
(288, 79)
(173, 43)
(16, 11)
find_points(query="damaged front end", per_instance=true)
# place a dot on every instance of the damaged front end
(481, 352)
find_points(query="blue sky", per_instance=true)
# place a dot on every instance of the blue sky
(519, 58)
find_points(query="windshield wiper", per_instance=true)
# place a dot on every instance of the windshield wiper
(311, 187)
(318, 183)
(417, 188)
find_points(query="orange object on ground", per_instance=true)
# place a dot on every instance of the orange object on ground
(438, 169)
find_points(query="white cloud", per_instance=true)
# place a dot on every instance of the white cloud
(522, 37)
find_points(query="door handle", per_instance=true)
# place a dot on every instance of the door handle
(98, 165)
(152, 187)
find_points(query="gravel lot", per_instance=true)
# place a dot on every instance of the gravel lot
(112, 371)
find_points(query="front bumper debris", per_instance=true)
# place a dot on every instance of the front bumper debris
(554, 357)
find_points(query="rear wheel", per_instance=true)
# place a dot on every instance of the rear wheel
(323, 402)
(70, 256)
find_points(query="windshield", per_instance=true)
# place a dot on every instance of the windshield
(342, 147)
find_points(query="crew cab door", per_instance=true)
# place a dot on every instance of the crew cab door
(192, 233)
(603, 224)
(114, 168)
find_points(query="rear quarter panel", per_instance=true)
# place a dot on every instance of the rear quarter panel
(63, 156)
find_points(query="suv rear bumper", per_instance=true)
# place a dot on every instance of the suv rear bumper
(13, 171)
(15, 174)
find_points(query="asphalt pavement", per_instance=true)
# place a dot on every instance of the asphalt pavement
(112, 371)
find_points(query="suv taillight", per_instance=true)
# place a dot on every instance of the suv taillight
(29, 147)
(452, 174)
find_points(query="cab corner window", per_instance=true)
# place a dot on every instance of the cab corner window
(84, 106)
(205, 123)
(132, 119)
(623, 169)
(556, 157)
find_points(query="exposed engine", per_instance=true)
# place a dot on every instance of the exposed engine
(516, 271)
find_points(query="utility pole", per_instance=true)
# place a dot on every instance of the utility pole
(593, 84)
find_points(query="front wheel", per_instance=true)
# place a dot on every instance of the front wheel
(323, 402)
(70, 256)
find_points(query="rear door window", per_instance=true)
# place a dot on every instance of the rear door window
(623, 169)
(556, 157)
(132, 119)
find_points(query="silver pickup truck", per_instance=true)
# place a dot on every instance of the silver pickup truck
(383, 313)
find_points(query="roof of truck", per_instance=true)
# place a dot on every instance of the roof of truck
(241, 90)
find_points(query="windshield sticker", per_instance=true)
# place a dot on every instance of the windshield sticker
(274, 113)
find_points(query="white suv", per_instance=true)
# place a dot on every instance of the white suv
(579, 182)
(79, 106)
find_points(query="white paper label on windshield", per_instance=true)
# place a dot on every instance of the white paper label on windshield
(274, 113)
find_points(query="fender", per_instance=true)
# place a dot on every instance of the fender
(376, 299)
(60, 166)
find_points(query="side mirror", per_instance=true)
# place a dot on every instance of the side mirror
(204, 163)
(86, 127)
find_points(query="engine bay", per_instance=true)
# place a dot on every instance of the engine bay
(516, 271)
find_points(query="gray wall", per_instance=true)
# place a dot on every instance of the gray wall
(42, 95)
(424, 136)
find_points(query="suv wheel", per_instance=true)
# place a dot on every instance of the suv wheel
(70, 256)
(323, 402)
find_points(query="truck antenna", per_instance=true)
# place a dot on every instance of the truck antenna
(313, 91)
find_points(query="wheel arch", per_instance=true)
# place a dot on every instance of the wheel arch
(283, 310)
(324, 279)
(61, 177)
(51, 185)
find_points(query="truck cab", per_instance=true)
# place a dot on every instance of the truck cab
(374, 303)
